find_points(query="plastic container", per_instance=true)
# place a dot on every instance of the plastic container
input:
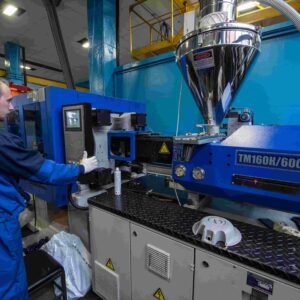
(117, 177)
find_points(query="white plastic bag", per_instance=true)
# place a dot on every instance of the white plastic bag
(70, 252)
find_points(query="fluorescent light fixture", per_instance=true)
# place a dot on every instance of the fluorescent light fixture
(84, 43)
(247, 6)
(26, 67)
(10, 10)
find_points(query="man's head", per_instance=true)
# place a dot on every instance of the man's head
(5, 99)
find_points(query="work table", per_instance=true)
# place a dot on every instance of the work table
(272, 252)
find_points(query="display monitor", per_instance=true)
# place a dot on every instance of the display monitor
(73, 119)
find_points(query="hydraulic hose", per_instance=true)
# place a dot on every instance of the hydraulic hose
(287, 10)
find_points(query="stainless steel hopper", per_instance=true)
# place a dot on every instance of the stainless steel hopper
(215, 58)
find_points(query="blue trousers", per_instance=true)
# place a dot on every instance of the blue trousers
(13, 282)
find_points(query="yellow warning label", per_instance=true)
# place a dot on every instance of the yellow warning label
(110, 265)
(159, 295)
(164, 149)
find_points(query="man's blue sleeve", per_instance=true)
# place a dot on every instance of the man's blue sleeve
(19, 162)
(53, 173)
(15, 159)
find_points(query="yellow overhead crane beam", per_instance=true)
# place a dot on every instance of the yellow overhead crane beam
(178, 7)
(182, 5)
(45, 82)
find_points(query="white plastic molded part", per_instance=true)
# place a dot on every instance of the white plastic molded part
(216, 229)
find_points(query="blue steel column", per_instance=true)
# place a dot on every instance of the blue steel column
(103, 41)
(13, 62)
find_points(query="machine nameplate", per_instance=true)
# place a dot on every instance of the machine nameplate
(204, 59)
(262, 284)
(282, 161)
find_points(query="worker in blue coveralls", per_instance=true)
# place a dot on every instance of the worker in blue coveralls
(16, 163)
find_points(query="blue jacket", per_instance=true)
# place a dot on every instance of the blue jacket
(17, 162)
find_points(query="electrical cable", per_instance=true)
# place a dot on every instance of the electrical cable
(179, 106)
(164, 30)
(177, 131)
(175, 190)
(34, 208)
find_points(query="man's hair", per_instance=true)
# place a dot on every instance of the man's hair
(3, 82)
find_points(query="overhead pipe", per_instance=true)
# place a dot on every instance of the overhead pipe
(287, 10)
(221, 11)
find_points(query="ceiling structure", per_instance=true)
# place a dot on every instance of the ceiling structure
(32, 31)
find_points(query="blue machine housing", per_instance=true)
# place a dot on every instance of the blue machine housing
(256, 164)
(48, 135)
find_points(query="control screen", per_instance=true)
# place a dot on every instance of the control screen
(73, 119)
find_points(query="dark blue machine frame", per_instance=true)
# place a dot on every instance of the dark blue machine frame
(274, 159)
(52, 129)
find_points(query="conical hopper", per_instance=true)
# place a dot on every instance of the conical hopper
(214, 62)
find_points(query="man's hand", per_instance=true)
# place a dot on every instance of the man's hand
(89, 164)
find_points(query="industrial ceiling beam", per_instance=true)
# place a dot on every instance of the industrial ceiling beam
(50, 6)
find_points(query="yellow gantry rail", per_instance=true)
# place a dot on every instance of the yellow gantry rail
(45, 82)
(164, 44)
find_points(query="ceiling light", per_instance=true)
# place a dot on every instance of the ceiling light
(10, 10)
(247, 6)
(26, 67)
(84, 43)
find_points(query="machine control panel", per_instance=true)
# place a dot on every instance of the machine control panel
(78, 132)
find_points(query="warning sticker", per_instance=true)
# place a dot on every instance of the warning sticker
(159, 295)
(164, 149)
(110, 265)
(204, 60)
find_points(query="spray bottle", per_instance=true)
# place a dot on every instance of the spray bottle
(117, 177)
